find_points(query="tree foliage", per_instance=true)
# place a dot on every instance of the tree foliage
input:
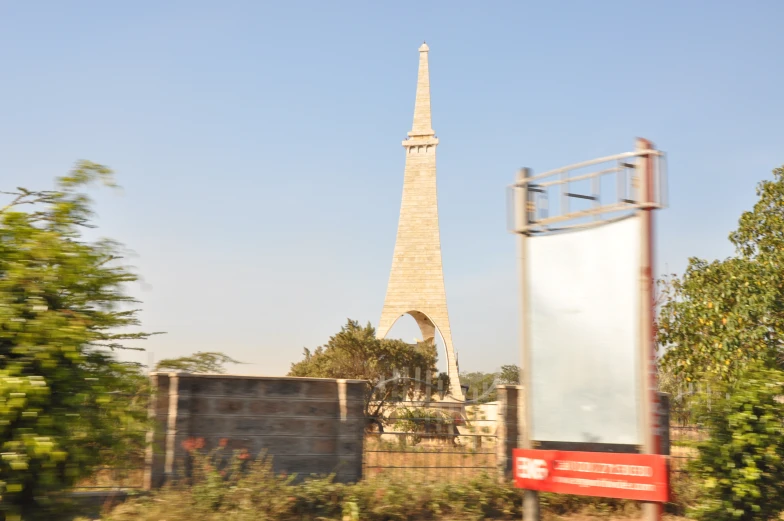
(722, 325)
(722, 315)
(66, 404)
(200, 362)
(741, 466)
(509, 375)
(482, 386)
(356, 353)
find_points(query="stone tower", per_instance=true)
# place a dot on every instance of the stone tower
(416, 283)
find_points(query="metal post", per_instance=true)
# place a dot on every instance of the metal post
(647, 382)
(522, 211)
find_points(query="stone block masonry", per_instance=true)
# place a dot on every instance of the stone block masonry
(307, 425)
(416, 281)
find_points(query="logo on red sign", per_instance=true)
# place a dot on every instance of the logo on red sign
(642, 477)
(528, 468)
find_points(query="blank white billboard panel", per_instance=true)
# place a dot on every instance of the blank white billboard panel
(584, 319)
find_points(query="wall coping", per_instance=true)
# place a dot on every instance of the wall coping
(247, 377)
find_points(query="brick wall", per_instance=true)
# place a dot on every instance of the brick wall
(308, 425)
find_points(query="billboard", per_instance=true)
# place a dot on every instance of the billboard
(584, 334)
(642, 477)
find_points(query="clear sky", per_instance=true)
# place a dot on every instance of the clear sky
(258, 143)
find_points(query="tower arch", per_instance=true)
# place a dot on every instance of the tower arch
(427, 327)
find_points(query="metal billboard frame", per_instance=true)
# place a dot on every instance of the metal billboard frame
(640, 189)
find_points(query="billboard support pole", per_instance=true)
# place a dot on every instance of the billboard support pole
(522, 211)
(647, 356)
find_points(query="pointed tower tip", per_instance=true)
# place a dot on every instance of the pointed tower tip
(422, 122)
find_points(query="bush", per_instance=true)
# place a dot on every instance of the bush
(67, 405)
(226, 486)
(740, 468)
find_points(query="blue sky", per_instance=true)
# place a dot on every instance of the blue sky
(258, 143)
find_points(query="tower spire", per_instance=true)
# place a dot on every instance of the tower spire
(423, 125)
(416, 281)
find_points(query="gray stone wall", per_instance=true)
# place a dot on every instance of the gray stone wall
(307, 425)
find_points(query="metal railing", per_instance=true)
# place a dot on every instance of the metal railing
(427, 448)
(579, 195)
(431, 460)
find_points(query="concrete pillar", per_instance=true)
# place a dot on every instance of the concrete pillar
(350, 431)
(177, 428)
(155, 456)
(508, 428)
(664, 424)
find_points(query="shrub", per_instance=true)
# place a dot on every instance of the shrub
(221, 488)
(67, 405)
(740, 467)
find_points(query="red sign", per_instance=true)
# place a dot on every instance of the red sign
(642, 477)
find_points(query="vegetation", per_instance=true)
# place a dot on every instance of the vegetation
(722, 315)
(200, 362)
(722, 324)
(481, 386)
(356, 353)
(741, 466)
(234, 489)
(66, 404)
(426, 423)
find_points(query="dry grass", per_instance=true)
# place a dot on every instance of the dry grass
(680, 457)
(683, 442)
(112, 478)
(608, 517)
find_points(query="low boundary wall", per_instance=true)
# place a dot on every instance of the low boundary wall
(307, 425)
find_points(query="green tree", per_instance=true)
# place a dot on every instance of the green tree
(722, 315)
(740, 468)
(509, 375)
(356, 353)
(481, 386)
(200, 362)
(65, 401)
